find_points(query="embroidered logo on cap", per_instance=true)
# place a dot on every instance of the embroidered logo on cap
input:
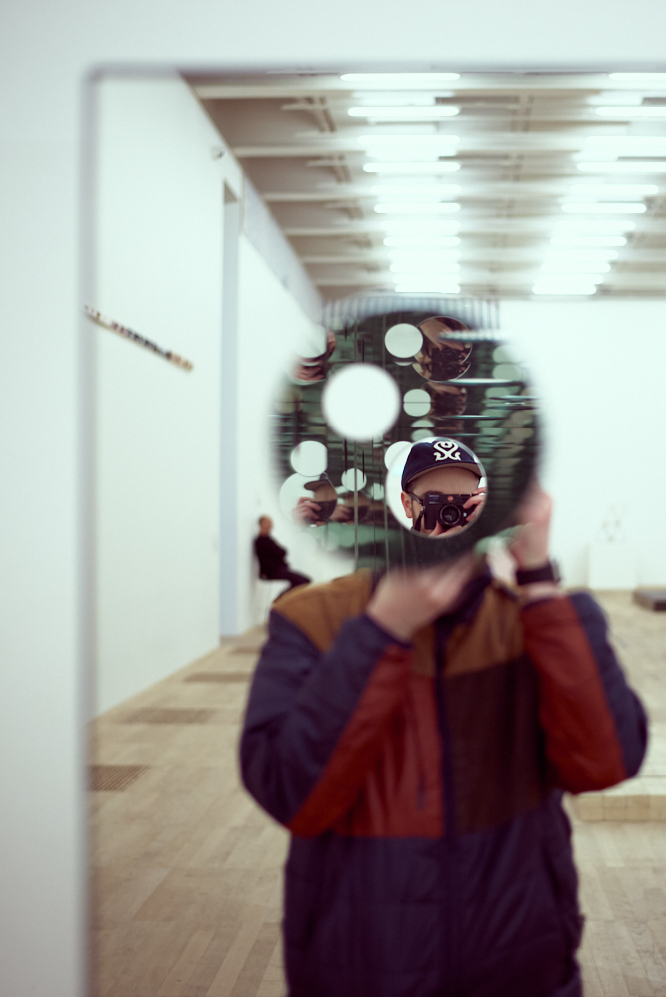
(447, 450)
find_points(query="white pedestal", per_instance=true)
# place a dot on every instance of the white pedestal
(611, 565)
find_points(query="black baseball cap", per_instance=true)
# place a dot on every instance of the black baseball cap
(441, 452)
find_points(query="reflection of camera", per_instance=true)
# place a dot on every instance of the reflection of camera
(447, 510)
(447, 364)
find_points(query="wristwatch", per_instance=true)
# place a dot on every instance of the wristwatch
(549, 572)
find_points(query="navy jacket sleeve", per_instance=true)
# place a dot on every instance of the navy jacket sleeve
(595, 726)
(315, 721)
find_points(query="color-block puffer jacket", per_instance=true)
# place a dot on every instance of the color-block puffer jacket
(422, 783)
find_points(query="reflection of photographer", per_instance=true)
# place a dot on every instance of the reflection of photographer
(311, 513)
(442, 359)
(322, 507)
(440, 488)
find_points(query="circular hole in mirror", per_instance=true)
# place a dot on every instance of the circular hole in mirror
(403, 340)
(353, 479)
(437, 487)
(360, 402)
(309, 458)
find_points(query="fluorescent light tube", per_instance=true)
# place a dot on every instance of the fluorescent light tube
(415, 255)
(573, 289)
(624, 141)
(571, 277)
(416, 190)
(603, 207)
(432, 287)
(418, 226)
(583, 241)
(400, 79)
(431, 139)
(623, 166)
(416, 207)
(570, 266)
(428, 268)
(409, 112)
(639, 77)
(581, 254)
(642, 111)
(626, 190)
(614, 226)
(421, 241)
(437, 166)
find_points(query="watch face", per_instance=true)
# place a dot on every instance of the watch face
(393, 377)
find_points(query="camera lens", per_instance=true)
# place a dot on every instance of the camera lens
(450, 515)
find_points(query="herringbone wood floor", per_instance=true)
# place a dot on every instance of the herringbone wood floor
(187, 870)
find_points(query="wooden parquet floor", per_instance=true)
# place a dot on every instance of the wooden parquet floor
(186, 870)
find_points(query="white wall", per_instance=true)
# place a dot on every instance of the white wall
(600, 367)
(159, 264)
(46, 50)
(271, 323)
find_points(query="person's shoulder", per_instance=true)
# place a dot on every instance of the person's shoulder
(320, 610)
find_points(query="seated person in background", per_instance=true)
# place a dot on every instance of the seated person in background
(272, 557)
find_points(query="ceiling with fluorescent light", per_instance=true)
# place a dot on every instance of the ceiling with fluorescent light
(486, 184)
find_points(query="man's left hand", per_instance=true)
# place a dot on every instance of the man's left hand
(530, 549)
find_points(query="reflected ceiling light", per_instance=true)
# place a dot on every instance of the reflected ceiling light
(417, 207)
(633, 111)
(603, 207)
(564, 289)
(648, 77)
(416, 190)
(421, 241)
(570, 267)
(436, 166)
(587, 240)
(403, 79)
(624, 166)
(614, 226)
(613, 189)
(423, 268)
(409, 112)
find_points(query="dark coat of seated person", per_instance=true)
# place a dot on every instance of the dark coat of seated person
(273, 558)
(416, 736)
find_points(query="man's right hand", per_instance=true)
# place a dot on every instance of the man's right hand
(406, 601)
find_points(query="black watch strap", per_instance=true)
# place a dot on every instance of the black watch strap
(547, 573)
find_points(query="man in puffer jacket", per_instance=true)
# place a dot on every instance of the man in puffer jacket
(415, 737)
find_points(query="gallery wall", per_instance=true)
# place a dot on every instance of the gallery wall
(599, 366)
(158, 271)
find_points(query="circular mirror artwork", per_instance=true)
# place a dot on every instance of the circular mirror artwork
(341, 441)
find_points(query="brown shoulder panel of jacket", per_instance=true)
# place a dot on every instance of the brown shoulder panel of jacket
(320, 610)
(494, 636)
